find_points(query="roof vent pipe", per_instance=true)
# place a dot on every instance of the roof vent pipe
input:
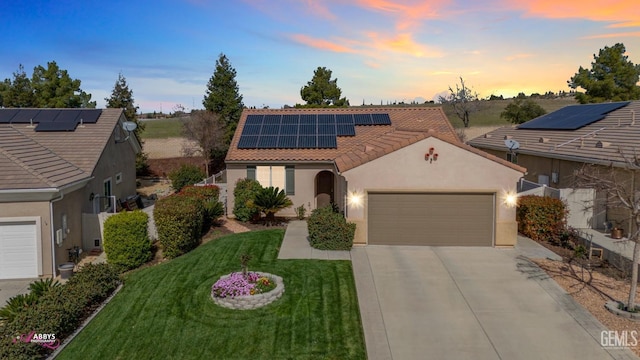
(633, 117)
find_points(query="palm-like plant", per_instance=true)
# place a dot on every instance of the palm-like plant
(270, 200)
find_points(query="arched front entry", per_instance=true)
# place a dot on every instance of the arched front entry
(324, 188)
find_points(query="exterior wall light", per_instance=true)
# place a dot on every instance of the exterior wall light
(510, 199)
(355, 199)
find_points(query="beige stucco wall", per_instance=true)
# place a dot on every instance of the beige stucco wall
(70, 205)
(38, 210)
(456, 170)
(305, 185)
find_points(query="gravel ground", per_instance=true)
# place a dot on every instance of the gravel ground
(593, 293)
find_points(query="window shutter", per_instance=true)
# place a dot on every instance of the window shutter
(290, 180)
(251, 172)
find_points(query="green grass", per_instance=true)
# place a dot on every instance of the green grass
(162, 128)
(166, 312)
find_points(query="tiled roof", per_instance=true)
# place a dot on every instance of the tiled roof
(408, 125)
(31, 160)
(606, 141)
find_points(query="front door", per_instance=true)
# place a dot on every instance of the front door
(324, 189)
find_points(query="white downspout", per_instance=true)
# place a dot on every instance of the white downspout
(53, 234)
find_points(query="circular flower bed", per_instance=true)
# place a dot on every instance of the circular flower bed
(245, 292)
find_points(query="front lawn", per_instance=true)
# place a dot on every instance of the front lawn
(166, 312)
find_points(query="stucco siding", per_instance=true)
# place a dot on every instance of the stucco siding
(456, 170)
(70, 206)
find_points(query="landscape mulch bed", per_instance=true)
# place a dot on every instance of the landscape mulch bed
(593, 292)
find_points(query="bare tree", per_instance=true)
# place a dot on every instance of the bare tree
(207, 129)
(463, 100)
(617, 184)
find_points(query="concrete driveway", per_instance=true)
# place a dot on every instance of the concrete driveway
(468, 303)
(11, 288)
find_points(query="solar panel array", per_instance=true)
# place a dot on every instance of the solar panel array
(303, 131)
(572, 117)
(50, 119)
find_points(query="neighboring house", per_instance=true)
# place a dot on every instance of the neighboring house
(401, 174)
(553, 146)
(55, 166)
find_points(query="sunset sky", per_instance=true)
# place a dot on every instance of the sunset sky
(379, 50)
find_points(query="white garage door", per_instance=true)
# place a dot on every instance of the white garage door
(18, 250)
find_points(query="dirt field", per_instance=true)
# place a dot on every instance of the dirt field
(168, 148)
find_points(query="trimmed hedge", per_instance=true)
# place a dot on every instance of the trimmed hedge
(541, 218)
(244, 194)
(329, 230)
(210, 195)
(59, 311)
(185, 175)
(179, 222)
(126, 240)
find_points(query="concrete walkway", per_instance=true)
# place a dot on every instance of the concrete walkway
(295, 245)
(11, 288)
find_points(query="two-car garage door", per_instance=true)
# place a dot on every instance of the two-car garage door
(18, 250)
(434, 219)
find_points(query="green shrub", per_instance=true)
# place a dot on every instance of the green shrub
(185, 175)
(126, 240)
(209, 194)
(244, 194)
(21, 302)
(179, 223)
(329, 230)
(541, 218)
(60, 310)
(301, 212)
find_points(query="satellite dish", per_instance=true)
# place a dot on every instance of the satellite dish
(512, 144)
(129, 126)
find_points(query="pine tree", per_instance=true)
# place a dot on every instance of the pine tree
(19, 92)
(54, 88)
(223, 97)
(122, 98)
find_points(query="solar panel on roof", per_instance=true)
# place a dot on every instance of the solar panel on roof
(251, 130)
(290, 119)
(362, 119)
(305, 129)
(327, 142)
(307, 142)
(327, 130)
(345, 130)
(248, 142)
(271, 129)
(267, 142)
(308, 119)
(289, 129)
(89, 116)
(381, 119)
(326, 119)
(572, 117)
(254, 120)
(56, 126)
(67, 116)
(7, 114)
(24, 116)
(344, 119)
(46, 116)
(272, 119)
(287, 142)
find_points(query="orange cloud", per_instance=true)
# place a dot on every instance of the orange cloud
(619, 11)
(318, 8)
(408, 13)
(403, 43)
(615, 35)
(320, 44)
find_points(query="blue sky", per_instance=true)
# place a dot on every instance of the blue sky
(379, 50)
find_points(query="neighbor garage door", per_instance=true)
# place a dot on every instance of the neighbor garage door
(430, 219)
(18, 250)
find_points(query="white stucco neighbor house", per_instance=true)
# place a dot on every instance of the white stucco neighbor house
(401, 174)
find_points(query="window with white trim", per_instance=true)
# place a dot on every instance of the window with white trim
(282, 177)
